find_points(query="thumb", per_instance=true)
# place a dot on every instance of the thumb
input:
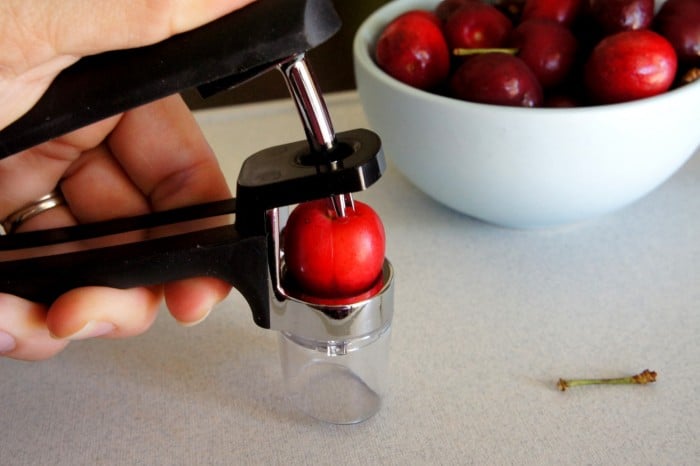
(39, 38)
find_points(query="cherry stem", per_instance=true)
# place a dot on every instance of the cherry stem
(642, 378)
(691, 76)
(461, 52)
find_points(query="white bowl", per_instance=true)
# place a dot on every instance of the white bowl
(524, 167)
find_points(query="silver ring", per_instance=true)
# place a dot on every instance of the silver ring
(18, 217)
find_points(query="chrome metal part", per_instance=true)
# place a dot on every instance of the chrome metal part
(336, 322)
(310, 103)
(341, 202)
(313, 113)
(275, 253)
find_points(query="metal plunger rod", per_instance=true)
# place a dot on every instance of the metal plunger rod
(310, 104)
(314, 115)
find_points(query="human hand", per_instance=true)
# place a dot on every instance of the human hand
(40, 38)
(151, 158)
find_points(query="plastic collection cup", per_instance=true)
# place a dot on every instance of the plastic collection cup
(338, 373)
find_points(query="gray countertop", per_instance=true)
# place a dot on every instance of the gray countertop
(486, 320)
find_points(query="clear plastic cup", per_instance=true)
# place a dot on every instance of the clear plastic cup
(340, 373)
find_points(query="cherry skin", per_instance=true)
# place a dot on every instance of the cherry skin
(477, 25)
(330, 256)
(496, 78)
(445, 8)
(342, 300)
(413, 50)
(621, 15)
(561, 101)
(547, 47)
(679, 22)
(630, 65)
(513, 9)
(561, 11)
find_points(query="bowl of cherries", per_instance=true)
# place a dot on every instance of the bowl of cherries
(533, 113)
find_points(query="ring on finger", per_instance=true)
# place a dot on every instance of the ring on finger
(21, 215)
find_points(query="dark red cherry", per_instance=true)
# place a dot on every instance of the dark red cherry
(477, 25)
(413, 50)
(621, 15)
(562, 11)
(513, 9)
(630, 65)
(679, 22)
(445, 8)
(547, 47)
(496, 78)
(561, 101)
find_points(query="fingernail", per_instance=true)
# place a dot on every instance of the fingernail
(192, 324)
(7, 342)
(92, 329)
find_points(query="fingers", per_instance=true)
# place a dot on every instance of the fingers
(97, 188)
(190, 301)
(155, 158)
(176, 170)
(32, 173)
(23, 332)
(162, 149)
(103, 312)
(29, 332)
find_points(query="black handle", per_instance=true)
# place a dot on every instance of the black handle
(213, 58)
(216, 252)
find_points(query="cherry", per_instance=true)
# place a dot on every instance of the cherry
(332, 256)
(561, 101)
(445, 8)
(679, 22)
(513, 9)
(621, 15)
(630, 65)
(562, 11)
(496, 78)
(477, 25)
(547, 47)
(413, 50)
(575, 50)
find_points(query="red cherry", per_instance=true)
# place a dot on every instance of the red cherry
(513, 9)
(561, 101)
(547, 47)
(477, 25)
(413, 50)
(445, 8)
(679, 22)
(330, 256)
(621, 15)
(561, 11)
(342, 300)
(630, 65)
(496, 78)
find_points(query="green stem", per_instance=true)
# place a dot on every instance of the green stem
(461, 52)
(642, 378)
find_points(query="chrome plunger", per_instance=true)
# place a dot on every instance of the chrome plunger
(315, 118)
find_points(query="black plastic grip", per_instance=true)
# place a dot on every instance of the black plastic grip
(214, 57)
(216, 252)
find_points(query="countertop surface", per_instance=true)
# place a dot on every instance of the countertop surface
(486, 321)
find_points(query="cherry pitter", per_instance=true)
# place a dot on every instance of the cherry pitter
(333, 356)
